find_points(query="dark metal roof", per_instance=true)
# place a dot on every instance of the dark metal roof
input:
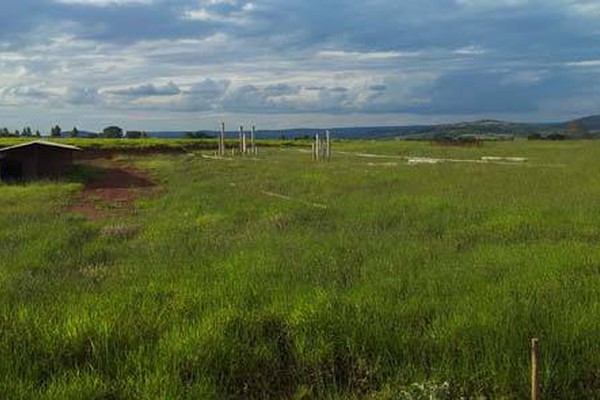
(41, 143)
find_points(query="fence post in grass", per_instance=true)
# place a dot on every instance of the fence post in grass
(240, 133)
(535, 369)
(328, 145)
(317, 147)
(252, 140)
(222, 140)
(244, 146)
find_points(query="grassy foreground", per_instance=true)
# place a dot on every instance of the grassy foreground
(412, 281)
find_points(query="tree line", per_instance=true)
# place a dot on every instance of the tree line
(110, 132)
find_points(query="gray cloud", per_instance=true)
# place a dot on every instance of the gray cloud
(202, 96)
(26, 92)
(170, 89)
(82, 96)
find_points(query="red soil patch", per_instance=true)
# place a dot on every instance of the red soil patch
(113, 194)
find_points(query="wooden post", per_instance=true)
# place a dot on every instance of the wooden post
(244, 146)
(535, 369)
(252, 138)
(328, 151)
(222, 140)
(317, 147)
(313, 151)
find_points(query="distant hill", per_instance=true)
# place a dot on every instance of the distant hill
(591, 123)
(297, 133)
(485, 128)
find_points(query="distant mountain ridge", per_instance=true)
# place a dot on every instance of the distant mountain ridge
(591, 123)
(482, 128)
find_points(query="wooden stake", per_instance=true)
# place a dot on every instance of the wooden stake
(240, 139)
(317, 146)
(328, 148)
(252, 138)
(535, 372)
(244, 146)
(222, 140)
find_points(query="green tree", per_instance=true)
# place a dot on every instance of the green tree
(74, 132)
(27, 132)
(37, 133)
(55, 131)
(114, 132)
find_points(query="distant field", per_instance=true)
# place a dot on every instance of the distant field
(146, 145)
(278, 277)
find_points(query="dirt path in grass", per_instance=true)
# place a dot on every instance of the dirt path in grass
(114, 192)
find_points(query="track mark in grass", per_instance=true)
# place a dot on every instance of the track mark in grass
(514, 161)
(382, 164)
(482, 160)
(216, 157)
(284, 197)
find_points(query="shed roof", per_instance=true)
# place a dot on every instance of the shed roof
(41, 143)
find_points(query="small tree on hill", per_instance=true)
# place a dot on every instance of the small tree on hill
(112, 132)
(74, 132)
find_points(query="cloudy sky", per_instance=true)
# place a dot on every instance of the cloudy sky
(186, 64)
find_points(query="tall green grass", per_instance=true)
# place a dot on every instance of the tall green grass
(414, 281)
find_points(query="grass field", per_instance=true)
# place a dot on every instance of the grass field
(147, 145)
(371, 278)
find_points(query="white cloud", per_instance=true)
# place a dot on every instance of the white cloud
(105, 3)
(585, 63)
(470, 51)
(366, 56)
(200, 14)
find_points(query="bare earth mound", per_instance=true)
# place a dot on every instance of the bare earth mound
(113, 194)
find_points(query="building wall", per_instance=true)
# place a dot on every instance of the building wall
(53, 162)
(38, 161)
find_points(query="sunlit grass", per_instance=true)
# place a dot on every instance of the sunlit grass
(413, 280)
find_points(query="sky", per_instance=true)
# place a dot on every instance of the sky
(187, 64)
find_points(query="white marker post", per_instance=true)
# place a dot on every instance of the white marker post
(244, 144)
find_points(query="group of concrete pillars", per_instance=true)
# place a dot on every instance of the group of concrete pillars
(243, 146)
(321, 148)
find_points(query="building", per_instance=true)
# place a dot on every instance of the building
(38, 159)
